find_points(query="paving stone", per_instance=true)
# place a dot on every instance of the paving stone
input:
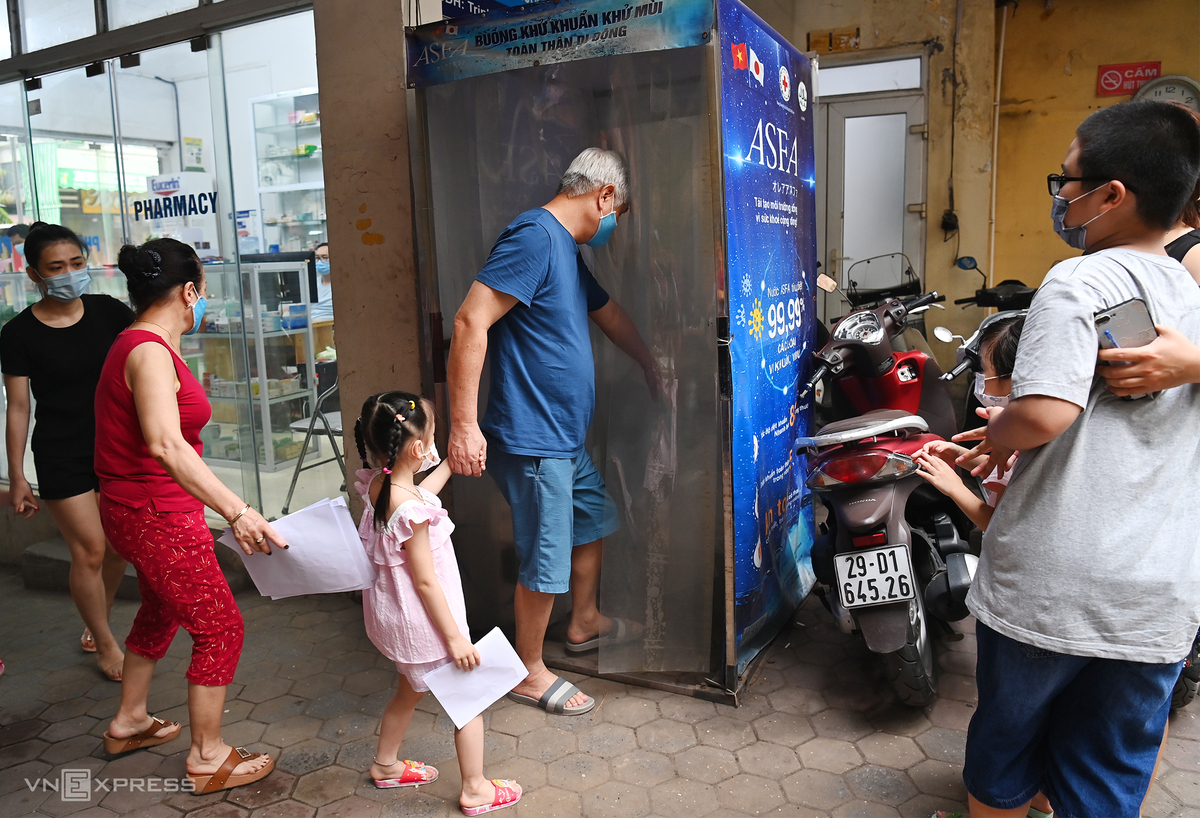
(829, 754)
(724, 732)
(841, 724)
(430, 747)
(951, 714)
(155, 811)
(261, 690)
(784, 728)
(816, 789)
(13, 778)
(22, 751)
(317, 685)
(222, 810)
(517, 719)
(1183, 754)
(68, 709)
(331, 705)
(897, 752)
(925, 805)
(278, 709)
(629, 711)
(366, 682)
(751, 794)
(352, 807)
(900, 721)
(643, 769)
(548, 802)
(238, 734)
(358, 755)
(865, 809)
(530, 774)
(797, 700)
(63, 751)
(686, 710)
(546, 744)
(939, 778)
(578, 772)
(24, 801)
(942, 744)
(1183, 785)
(326, 785)
(880, 784)
(291, 730)
(768, 760)
(301, 668)
(665, 736)
(26, 729)
(710, 765)
(795, 811)
(608, 740)
(957, 662)
(275, 787)
(1160, 803)
(750, 708)
(69, 728)
(308, 756)
(349, 727)
(496, 747)
(680, 797)
(958, 687)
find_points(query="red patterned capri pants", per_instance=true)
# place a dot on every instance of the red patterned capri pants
(181, 584)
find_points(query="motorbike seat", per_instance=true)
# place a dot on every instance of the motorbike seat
(872, 424)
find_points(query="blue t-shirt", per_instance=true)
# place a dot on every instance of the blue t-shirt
(543, 378)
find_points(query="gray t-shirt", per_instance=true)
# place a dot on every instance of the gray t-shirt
(1093, 548)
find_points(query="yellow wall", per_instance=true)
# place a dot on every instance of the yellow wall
(1049, 86)
(890, 24)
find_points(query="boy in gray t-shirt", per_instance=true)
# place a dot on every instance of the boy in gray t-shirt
(1088, 586)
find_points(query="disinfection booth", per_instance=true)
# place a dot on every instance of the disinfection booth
(715, 263)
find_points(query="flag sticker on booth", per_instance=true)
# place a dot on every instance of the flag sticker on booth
(785, 83)
(756, 67)
(739, 57)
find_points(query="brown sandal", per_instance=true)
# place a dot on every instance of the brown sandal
(223, 779)
(146, 738)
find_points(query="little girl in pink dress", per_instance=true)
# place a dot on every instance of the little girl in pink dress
(415, 612)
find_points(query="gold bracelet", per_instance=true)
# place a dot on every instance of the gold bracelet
(238, 516)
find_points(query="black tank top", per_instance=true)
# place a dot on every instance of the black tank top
(1180, 247)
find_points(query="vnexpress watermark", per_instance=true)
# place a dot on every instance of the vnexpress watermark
(80, 784)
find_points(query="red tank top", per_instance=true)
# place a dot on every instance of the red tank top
(127, 472)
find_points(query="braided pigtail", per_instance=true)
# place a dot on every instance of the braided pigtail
(358, 439)
(388, 422)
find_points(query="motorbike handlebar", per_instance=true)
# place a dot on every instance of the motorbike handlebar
(822, 369)
(970, 300)
(962, 367)
(924, 300)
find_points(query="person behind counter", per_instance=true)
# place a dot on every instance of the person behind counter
(322, 310)
(55, 349)
(153, 489)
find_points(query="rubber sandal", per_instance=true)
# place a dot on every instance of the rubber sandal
(415, 774)
(507, 793)
(555, 699)
(146, 738)
(87, 642)
(620, 632)
(223, 778)
(1037, 813)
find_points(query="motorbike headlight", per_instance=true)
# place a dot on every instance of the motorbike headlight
(860, 467)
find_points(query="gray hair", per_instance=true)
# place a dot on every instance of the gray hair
(594, 168)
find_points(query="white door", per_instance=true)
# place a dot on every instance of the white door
(873, 159)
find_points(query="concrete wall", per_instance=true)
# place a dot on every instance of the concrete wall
(368, 197)
(1048, 87)
(891, 24)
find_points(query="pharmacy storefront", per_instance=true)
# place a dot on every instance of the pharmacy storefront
(215, 141)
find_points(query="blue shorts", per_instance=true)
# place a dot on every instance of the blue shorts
(1084, 731)
(557, 504)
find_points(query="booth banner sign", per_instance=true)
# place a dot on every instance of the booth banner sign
(767, 116)
(552, 32)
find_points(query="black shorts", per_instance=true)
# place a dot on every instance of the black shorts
(61, 477)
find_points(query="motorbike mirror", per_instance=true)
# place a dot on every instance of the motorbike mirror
(967, 263)
(826, 283)
(945, 336)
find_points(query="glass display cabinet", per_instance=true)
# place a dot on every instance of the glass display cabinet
(256, 364)
(289, 175)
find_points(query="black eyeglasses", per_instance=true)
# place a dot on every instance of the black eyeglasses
(1055, 181)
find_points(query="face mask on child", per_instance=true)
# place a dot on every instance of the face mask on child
(429, 459)
(984, 399)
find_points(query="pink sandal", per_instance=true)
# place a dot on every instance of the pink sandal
(507, 794)
(415, 774)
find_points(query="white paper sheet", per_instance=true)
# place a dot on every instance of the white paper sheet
(325, 554)
(464, 694)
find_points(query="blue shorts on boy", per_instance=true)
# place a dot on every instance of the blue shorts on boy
(551, 497)
(1092, 553)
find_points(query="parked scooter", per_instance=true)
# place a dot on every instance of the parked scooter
(895, 556)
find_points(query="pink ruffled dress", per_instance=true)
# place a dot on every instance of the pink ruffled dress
(397, 621)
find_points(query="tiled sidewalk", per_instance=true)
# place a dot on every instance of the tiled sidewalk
(819, 732)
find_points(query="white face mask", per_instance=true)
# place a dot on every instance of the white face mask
(984, 399)
(429, 459)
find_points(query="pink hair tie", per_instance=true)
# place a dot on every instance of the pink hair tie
(387, 471)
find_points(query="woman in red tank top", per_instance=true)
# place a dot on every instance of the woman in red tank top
(153, 489)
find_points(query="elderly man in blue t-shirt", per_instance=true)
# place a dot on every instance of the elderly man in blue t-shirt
(540, 404)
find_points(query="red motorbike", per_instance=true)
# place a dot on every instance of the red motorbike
(893, 561)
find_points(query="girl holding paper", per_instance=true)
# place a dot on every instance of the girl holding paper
(153, 490)
(415, 612)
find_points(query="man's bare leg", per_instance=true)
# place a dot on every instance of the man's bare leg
(532, 610)
(586, 619)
